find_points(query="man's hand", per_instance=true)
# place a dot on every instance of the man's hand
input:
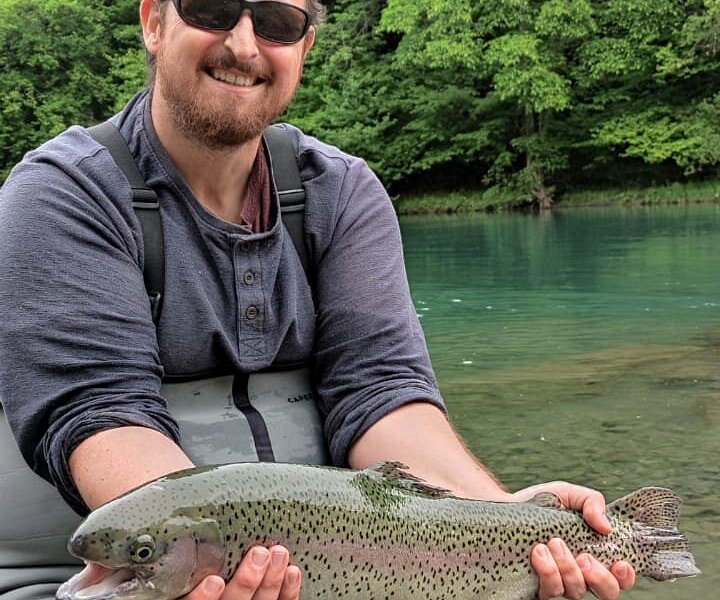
(562, 574)
(262, 575)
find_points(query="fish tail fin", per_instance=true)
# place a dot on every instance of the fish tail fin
(654, 513)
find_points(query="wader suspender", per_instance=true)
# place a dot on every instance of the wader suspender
(284, 177)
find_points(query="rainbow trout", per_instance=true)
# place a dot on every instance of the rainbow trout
(373, 534)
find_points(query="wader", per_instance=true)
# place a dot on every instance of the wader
(267, 416)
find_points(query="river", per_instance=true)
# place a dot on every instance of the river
(584, 345)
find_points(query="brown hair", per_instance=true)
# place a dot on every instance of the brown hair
(317, 12)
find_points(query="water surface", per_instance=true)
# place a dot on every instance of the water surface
(584, 345)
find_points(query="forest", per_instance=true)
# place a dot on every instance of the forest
(521, 99)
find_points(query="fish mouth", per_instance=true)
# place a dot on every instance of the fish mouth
(98, 582)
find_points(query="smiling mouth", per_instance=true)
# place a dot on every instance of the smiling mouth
(234, 79)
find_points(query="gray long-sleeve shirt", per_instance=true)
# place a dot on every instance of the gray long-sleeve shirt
(79, 351)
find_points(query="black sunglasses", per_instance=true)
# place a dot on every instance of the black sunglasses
(274, 21)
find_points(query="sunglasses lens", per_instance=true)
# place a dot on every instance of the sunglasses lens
(218, 14)
(274, 21)
(279, 22)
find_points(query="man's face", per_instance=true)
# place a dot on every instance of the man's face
(220, 88)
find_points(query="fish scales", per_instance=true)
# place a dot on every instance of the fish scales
(373, 534)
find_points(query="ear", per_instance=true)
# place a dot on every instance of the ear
(308, 41)
(150, 21)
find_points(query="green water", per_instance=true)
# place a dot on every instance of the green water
(583, 345)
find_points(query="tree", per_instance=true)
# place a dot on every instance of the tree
(62, 63)
(668, 67)
(359, 94)
(514, 49)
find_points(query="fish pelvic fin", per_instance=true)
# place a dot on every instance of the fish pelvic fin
(654, 513)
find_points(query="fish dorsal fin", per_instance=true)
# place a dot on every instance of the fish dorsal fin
(397, 474)
(654, 506)
(547, 500)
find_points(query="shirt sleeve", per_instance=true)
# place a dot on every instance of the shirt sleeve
(371, 356)
(78, 348)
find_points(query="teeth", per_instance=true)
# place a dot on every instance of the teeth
(238, 80)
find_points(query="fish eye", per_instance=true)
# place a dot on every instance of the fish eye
(143, 548)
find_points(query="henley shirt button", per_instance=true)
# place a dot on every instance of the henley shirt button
(249, 278)
(251, 312)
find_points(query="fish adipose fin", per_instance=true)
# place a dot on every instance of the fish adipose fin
(654, 513)
(397, 474)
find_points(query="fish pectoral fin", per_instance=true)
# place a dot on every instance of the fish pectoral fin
(547, 500)
(397, 474)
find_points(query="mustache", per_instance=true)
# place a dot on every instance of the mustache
(227, 60)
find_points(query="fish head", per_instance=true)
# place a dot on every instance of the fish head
(163, 561)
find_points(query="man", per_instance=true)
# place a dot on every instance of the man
(81, 360)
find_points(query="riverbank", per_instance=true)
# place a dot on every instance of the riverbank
(482, 201)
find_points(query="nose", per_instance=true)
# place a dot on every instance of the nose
(77, 545)
(241, 39)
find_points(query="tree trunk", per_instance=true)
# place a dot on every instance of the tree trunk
(541, 193)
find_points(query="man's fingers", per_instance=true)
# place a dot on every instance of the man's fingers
(589, 501)
(570, 573)
(291, 586)
(249, 574)
(593, 509)
(624, 573)
(272, 583)
(210, 588)
(263, 574)
(558, 571)
(550, 582)
(601, 581)
(260, 576)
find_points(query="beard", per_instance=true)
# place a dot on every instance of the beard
(217, 122)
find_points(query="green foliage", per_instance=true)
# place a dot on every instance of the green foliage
(520, 98)
(361, 97)
(438, 33)
(566, 20)
(523, 74)
(685, 136)
(62, 62)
